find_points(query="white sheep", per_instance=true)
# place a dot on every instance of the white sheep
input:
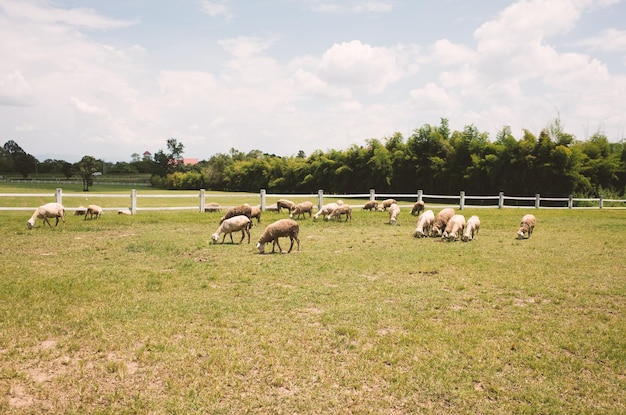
(418, 207)
(212, 207)
(255, 212)
(454, 228)
(49, 210)
(325, 210)
(394, 211)
(527, 226)
(228, 226)
(341, 210)
(471, 229)
(385, 204)
(280, 228)
(371, 205)
(285, 204)
(424, 224)
(93, 210)
(301, 209)
(441, 220)
(124, 212)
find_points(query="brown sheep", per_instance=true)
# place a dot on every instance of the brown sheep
(371, 205)
(280, 228)
(301, 209)
(441, 220)
(418, 207)
(285, 204)
(244, 209)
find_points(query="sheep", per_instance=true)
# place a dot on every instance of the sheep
(441, 221)
(212, 207)
(272, 208)
(49, 210)
(454, 228)
(394, 211)
(93, 210)
(386, 203)
(325, 210)
(341, 210)
(424, 224)
(371, 205)
(527, 226)
(280, 228)
(256, 213)
(228, 226)
(418, 207)
(244, 209)
(284, 203)
(301, 209)
(471, 229)
(124, 212)
(80, 211)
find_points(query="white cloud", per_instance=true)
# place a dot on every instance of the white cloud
(359, 66)
(215, 9)
(15, 90)
(609, 40)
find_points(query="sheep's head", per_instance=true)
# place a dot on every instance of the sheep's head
(520, 233)
(30, 224)
(260, 247)
(215, 237)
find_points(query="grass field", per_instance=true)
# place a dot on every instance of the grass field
(141, 314)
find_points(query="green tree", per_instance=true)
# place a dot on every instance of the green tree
(87, 166)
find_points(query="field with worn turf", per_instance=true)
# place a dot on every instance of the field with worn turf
(142, 314)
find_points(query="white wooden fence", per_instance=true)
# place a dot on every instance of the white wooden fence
(461, 200)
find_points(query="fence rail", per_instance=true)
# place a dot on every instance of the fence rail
(462, 200)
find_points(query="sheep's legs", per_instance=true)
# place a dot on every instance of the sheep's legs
(45, 220)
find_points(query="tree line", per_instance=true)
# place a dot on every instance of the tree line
(434, 159)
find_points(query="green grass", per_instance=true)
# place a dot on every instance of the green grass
(142, 314)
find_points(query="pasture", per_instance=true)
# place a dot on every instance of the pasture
(142, 314)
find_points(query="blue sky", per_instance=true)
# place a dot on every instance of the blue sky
(113, 78)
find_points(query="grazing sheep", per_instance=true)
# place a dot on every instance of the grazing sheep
(49, 210)
(285, 204)
(471, 229)
(341, 210)
(212, 207)
(394, 211)
(280, 228)
(256, 213)
(301, 209)
(385, 204)
(441, 221)
(371, 205)
(80, 211)
(454, 228)
(124, 212)
(244, 209)
(424, 224)
(93, 210)
(526, 226)
(418, 207)
(325, 210)
(228, 226)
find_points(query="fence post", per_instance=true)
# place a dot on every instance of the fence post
(419, 194)
(601, 204)
(501, 200)
(372, 194)
(263, 194)
(462, 200)
(570, 202)
(320, 199)
(133, 201)
(201, 200)
(537, 201)
(59, 195)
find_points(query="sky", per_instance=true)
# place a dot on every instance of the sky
(115, 78)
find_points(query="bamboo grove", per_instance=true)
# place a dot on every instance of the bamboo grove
(433, 159)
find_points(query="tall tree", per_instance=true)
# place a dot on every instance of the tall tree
(87, 166)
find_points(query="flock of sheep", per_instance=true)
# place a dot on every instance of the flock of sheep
(447, 224)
